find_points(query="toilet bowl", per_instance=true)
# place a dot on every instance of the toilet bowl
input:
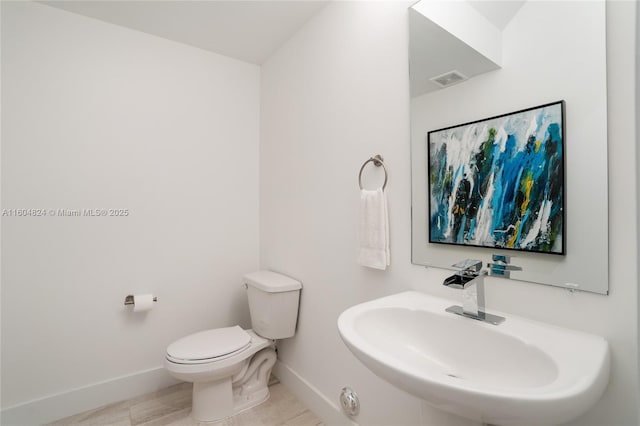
(230, 367)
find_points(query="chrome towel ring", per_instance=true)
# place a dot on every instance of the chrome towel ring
(377, 161)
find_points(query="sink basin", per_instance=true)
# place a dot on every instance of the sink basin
(519, 372)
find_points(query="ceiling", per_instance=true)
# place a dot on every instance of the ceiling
(498, 12)
(250, 31)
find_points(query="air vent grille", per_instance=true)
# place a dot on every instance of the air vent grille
(449, 78)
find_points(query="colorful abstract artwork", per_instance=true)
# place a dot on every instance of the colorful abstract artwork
(499, 182)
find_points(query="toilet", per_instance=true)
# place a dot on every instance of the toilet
(229, 366)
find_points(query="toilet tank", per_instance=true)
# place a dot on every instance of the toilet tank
(273, 303)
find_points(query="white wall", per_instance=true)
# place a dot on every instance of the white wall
(336, 94)
(97, 116)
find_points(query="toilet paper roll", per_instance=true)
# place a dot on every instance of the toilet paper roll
(142, 302)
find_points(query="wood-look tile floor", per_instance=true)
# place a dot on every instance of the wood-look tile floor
(172, 407)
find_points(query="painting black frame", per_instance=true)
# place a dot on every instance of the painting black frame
(446, 185)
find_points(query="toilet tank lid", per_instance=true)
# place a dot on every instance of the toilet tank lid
(272, 282)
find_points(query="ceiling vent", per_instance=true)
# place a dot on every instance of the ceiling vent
(449, 78)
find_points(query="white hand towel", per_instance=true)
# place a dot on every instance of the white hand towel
(374, 230)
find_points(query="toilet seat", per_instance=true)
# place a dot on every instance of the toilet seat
(209, 346)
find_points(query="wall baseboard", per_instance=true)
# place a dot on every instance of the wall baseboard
(322, 406)
(74, 401)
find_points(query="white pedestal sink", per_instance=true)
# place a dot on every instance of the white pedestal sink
(520, 372)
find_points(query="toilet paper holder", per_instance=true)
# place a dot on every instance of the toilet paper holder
(129, 300)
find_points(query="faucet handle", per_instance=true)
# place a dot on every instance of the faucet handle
(501, 267)
(504, 258)
(473, 265)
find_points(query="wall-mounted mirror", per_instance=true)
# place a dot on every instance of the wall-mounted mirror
(457, 77)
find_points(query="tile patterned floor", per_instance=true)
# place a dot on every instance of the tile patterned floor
(172, 407)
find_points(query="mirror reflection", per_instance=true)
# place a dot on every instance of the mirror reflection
(473, 60)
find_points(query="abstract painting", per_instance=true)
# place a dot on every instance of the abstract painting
(499, 182)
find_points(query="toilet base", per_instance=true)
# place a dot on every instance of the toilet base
(212, 400)
(247, 402)
(216, 400)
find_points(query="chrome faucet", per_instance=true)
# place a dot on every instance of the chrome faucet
(470, 279)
